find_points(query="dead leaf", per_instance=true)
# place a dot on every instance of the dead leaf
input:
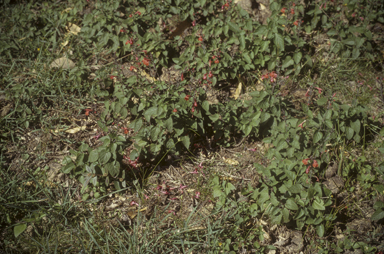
(231, 161)
(238, 91)
(63, 62)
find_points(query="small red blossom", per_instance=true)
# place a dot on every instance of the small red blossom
(197, 196)
(133, 203)
(182, 187)
(292, 11)
(194, 23)
(205, 76)
(138, 13)
(296, 23)
(210, 62)
(146, 61)
(293, 4)
(130, 15)
(301, 125)
(112, 77)
(283, 10)
(187, 97)
(305, 161)
(87, 110)
(182, 76)
(146, 197)
(361, 18)
(210, 75)
(193, 109)
(307, 93)
(172, 211)
(126, 131)
(131, 68)
(315, 164)
(319, 89)
(174, 110)
(265, 76)
(216, 61)
(200, 38)
(307, 170)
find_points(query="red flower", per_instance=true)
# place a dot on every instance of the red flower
(293, 4)
(292, 11)
(130, 15)
(193, 109)
(195, 103)
(283, 10)
(200, 38)
(194, 23)
(315, 164)
(205, 76)
(296, 23)
(87, 110)
(305, 161)
(146, 61)
(210, 74)
(112, 77)
(307, 170)
(139, 13)
(216, 61)
(129, 41)
(131, 68)
(134, 203)
(187, 97)
(174, 110)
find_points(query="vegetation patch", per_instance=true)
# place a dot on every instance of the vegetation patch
(192, 126)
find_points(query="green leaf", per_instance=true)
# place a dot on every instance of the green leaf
(247, 58)
(170, 144)
(235, 28)
(68, 167)
(217, 192)
(349, 132)
(356, 125)
(169, 124)
(378, 215)
(242, 41)
(186, 141)
(318, 204)
(93, 156)
(149, 113)
(205, 106)
(297, 57)
(214, 117)
(18, 229)
(322, 101)
(317, 137)
(104, 156)
(320, 230)
(228, 188)
(285, 215)
(279, 41)
(291, 205)
(287, 62)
